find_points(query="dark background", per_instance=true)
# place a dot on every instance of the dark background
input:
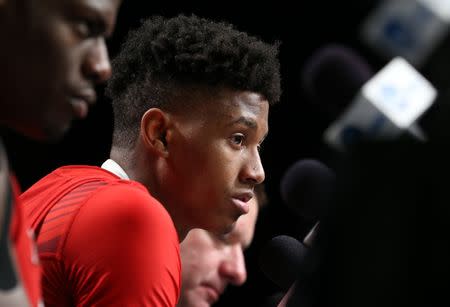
(296, 125)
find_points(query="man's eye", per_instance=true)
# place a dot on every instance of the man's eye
(88, 28)
(238, 139)
(221, 240)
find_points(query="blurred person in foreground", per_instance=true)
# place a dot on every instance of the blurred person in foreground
(52, 56)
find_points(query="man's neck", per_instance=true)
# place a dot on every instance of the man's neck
(138, 168)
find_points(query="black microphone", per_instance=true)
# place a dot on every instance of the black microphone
(307, 187)
(281, 260)
(332, 76)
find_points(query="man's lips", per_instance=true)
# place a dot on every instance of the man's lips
(80, 107)
(241, 201)
(244, 196)
(81, 101)
(212, 293)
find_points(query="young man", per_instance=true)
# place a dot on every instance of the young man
(53, 53)
(191, 100)
(211, 262)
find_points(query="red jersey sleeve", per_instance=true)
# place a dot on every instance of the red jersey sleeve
(24, 251)
(123, 250)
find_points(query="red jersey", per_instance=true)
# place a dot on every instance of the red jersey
(102, 240)
(20, 262)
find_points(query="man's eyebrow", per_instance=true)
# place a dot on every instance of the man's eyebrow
(103, 19)
(249, 122)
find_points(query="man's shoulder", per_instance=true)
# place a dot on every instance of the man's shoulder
(127, 199)
(82, 171)
(69, 184)
(107, 193)
(126, 210)
(66, 178)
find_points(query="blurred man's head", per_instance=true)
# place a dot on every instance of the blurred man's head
(53, 53)
(210, 263)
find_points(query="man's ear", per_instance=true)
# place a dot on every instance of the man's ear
(154, 127)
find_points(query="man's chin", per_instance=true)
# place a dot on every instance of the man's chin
(53, 133)
(218, 229)
(225, 229)
(44, 132)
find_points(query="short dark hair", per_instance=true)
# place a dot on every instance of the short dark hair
(165, 57)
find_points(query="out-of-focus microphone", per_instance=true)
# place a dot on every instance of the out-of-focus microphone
(332, 76)
(281, 260)
(412, 29)
(385, 107)
(307, 187)
(417, 30)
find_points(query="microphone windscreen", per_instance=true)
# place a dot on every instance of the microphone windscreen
(307, 187)
(332, 77)
(280, 260)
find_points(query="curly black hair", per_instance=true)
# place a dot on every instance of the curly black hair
(165, 56)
